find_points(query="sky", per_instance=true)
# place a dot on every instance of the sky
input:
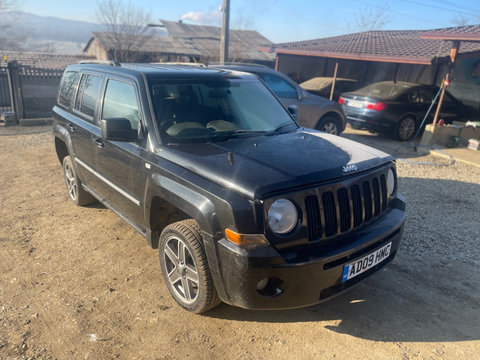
(283, 20)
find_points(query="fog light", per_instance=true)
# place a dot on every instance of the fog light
(270, 287)
(262, 284)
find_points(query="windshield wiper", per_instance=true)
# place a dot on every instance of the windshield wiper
(286, 125)
(237, 133)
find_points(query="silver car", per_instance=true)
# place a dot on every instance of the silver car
(314, 111)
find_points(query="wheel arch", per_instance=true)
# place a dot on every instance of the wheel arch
(169, 201)
(61, 149)
(334, 114)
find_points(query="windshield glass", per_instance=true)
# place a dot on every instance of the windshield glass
(221, 109)
(383, 90)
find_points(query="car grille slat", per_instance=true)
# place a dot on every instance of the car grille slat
(339, 209)
(329, 213)
(313, 218)
(376, 196)
(357, 205)
(383, 184)
(344, 207)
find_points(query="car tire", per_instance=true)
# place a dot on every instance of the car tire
(328, 124)
(76, 192)
(185, 268)
(406, 128)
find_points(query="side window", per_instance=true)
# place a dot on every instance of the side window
(67, 88)
(280, 87)
(121, 102)
(88, 94)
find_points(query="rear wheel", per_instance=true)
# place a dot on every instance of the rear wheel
(328, 124)
(185, 268)
(405, 128)
(74, 185)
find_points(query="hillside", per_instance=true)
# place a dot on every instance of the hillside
(52, 34)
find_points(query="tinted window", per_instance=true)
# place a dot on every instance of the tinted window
(88, 94)
(67, 89)
(384, 90)
(280, 87)
(121, 102)
(421, 96)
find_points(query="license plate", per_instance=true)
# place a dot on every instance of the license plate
(365, 263)
(355, 104)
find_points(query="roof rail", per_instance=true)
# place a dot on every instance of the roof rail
(238, 64)
(180, 63)
(103, 62)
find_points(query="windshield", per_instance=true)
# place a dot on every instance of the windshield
(383, 90)
(188, 111)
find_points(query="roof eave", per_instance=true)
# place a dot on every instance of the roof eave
(437, 35)
(365, 57)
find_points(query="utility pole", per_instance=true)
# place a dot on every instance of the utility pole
(225, 26)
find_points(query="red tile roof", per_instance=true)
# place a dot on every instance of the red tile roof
(468, 33)
(405, 46)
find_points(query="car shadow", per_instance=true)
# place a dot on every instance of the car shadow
(427, 294)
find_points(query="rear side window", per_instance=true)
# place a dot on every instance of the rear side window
(280, 87)
(121, 102)
(67, 88)
(88, 94)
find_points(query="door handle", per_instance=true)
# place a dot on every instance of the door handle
(71, 127)
(99, 143)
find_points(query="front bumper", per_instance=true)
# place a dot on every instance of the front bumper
(301, 283)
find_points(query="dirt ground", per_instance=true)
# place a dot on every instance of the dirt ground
(78, 283)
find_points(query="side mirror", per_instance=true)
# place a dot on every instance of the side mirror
(118, 129)
(293, 110)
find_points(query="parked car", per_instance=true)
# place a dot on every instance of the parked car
(398, 107)
(243, 205)
(322, 86)
(314, 112)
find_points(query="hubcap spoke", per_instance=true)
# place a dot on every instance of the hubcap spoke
(191, 274)
(171, 255)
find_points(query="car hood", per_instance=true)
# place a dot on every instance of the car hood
(262, 165)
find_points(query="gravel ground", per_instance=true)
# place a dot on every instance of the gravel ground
(78, 283)
(443, 202)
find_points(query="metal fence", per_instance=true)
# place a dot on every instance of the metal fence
(29, 92)
(5, 97)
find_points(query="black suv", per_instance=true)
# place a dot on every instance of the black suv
(243, 204)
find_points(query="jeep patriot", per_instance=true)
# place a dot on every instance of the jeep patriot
(243, 204)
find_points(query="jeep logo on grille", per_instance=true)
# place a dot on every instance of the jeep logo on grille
(349, 168)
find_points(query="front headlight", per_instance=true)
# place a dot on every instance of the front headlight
(282, 216)
(390, 182)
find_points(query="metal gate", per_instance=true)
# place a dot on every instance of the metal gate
(5, 96)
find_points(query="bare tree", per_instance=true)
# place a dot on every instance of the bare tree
(125, 28)
(11, 36)
(370, 18)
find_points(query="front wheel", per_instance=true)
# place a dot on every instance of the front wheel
(328, 124)
(185, 268)
(405, 128)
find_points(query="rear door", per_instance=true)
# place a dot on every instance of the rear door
(80, 121)
(119, 168)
